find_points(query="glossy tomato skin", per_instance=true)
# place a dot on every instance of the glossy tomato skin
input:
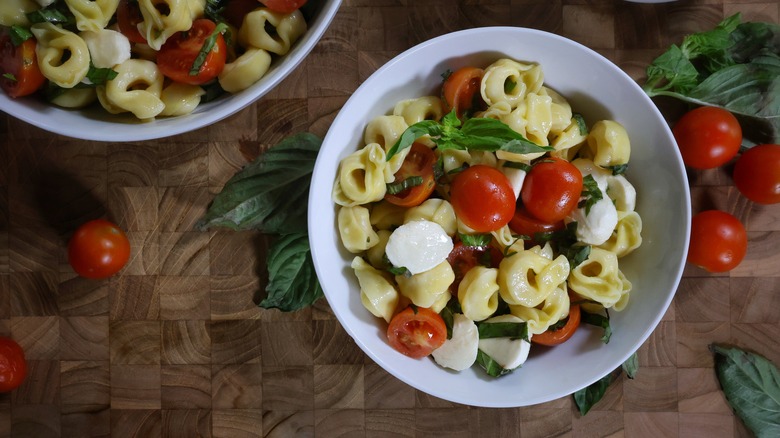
(13, 366)
(551, 190)
(525, 224)
(21, 63)
(707, 137)
(461, 90)
(462, 258)
(552, 337)
(482, 198)
(128, 16)
(283, 6)
(416, 331)
(177, 56)
(98, 249)
(757, 174)
(418, 162)
(718, 241)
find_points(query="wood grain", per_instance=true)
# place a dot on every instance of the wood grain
(175, 345)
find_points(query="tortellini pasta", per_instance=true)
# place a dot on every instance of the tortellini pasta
(554, 308)
(627, 235)
(377, 292)
(163, 18)
(180, 99)
(357, 235)
(528, 278)
(510, 81)
(385, 131)
(419, 109)
(427, 288)
(609, 144)
(254, 32)
(439, 211)
(245, 70)
(92, 15)
(478, 293)
(362, 177)
(137, 88)
(63, 56)
(14, 12)
(599, 279)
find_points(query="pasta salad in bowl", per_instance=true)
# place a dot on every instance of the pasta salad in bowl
(127, 70)
(499, 217)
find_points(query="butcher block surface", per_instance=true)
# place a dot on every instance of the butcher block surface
(175, 344)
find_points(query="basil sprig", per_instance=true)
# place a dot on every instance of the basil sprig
(591, 193)
(478, 134)
(511, 330)
(19, 35)
(208, 45)
(405, 184)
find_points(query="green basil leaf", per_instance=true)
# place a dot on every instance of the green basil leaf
(516, 165)
(475, 240)
(405, 184)
(581, 124)
(50, 14)
(631, 366)
(512, 330)
(575, 254)
(449, 319)
(587, 397)
(10, 77)
(292, 280)
(590, 192)
(271, 193)
(412, 133)
(509, 85)
(491, 367)
(618, 169)
(493, 135)
(19, 35)
(208, 45)
(99, 76)
(599, 321)
(751, 384)
(399, 270)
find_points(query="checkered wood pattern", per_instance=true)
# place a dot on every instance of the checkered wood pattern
(175, 346)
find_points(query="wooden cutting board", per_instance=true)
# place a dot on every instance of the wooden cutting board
(176, 347)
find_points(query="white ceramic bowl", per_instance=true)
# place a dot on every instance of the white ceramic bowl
(96, 124)
(599, 90)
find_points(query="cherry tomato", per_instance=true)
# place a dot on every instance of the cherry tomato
(98, 249)
(718, 241)
(551, 189)
(416, 331)
(461, 90)
(13, 366)
(283, 6)
(525, 224)
(128, 16)
(236, 10)
(177, 56)
(462, 258)
(708, 137)
(552, 337)
(19, 71)
(419, 162)
(482, 198)
(757, 174)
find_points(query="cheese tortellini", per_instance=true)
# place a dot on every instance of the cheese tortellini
(362, 177)
(63, 56)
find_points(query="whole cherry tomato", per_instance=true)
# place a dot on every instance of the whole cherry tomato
(98, 249)
(482, 198)
(13, 366)
(757, 174)
(708, 137)
(177, 56)
(718, 241)
(551, 189)
(416, 331)
(461, 90)
(418, 162)
(19, 71)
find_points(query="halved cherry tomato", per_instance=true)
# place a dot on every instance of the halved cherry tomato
(551, 189)
(128, 16)
(461, 90)
(177, 56)
(19, 71)
(557, 336)
(283, 6)
(757, 174)
(718, 241)
(708, 137)
(525, 224)
(418, 162)
(482, 198)
(416, 331)
(462, 258)
(13, 366)
(98, 249)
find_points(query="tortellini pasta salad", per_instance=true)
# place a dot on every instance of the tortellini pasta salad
(452, 245)
(148, 58)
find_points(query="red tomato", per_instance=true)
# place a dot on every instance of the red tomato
(551, 189)
(708, 137)
(524, 224)
(462, 258)
(419, 162)
(177, 56)
(482, 198)
(416, 331)
(461, 90)
(19, 71)
(553, 337)
(718, 241)
(283, 6)
(13, 366)
(236, 10)
(757, 174)
(128, 15)
(98, 249)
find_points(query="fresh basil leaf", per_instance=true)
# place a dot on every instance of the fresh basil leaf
(512, 330)
(751, 384)
(581, 124)
(50, 14)
(399, 270)
(491, 367)
(405, 184)
(493, 135)
(587, 397)
(208, 45)
(292, 281)
(575, 254)
(99, 76)
(271, 193)
(599, 321)
(618, 169)
(10, 77)
(476, 240)
(412, 133)
(509, 85)
(591, 193)
(631, 366)
(213, 10)
(516, 165)
(19, 35)
(449, 319)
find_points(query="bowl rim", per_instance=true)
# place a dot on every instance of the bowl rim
(112, 129)
(314, 216)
